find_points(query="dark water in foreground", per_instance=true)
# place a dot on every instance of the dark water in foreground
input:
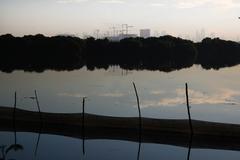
(214, 96)
(58, 147)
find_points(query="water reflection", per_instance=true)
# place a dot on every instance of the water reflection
(162, 131)
(190, 146)
(139, 123)
(139, 149)
(222, 96)
(110, 149)
(37, 144)
(15, 146)
(162, 96)
(3, 152)
(6, 150)
(83, 125)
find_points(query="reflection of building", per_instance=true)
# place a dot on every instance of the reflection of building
(145, 33)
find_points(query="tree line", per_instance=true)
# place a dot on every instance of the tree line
(165, 53)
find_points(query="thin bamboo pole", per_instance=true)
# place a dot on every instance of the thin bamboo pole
(15, 99)
(140, 122)
(15, 104)
(83, 125)
(188, 109)
(39, 109)
(138, 104)
(14, 113)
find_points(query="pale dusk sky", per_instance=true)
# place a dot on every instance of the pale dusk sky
(176, 17)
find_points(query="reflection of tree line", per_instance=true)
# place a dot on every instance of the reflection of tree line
(167, 53)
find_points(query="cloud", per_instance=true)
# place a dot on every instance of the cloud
(112, 1)
(227, 3)
(71, 1)
(75, 95)
(185, 4)
(156, 92)
(157, 4)
(223, 4)
(181, 4)
(223, 96)
(114, 94)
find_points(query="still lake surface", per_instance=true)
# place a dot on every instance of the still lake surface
(214, 96)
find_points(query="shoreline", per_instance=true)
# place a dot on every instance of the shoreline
(175, 132)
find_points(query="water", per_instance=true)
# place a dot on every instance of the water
(57, 147)
(214, 96)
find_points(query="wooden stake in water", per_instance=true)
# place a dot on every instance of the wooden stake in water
(15, 99)
(15, 103)
(83, 109)
(188, 109)
(39, 110)
(83, 127)
(140, 122)
(14, 114)
(139, 109)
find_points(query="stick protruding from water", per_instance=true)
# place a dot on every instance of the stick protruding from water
(83, 125)
(138, 104)
(39, 109)
(140, 121)
(188, 109)
(15, 103)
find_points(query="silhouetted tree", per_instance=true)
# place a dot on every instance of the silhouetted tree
(166, 53)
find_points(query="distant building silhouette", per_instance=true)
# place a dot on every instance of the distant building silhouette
(163, 33)
(145, 33)
(200, 35)
(121, 36)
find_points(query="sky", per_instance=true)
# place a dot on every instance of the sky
(182, 18)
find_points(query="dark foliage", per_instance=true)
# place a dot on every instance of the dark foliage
(217, 53)
(167, 53)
